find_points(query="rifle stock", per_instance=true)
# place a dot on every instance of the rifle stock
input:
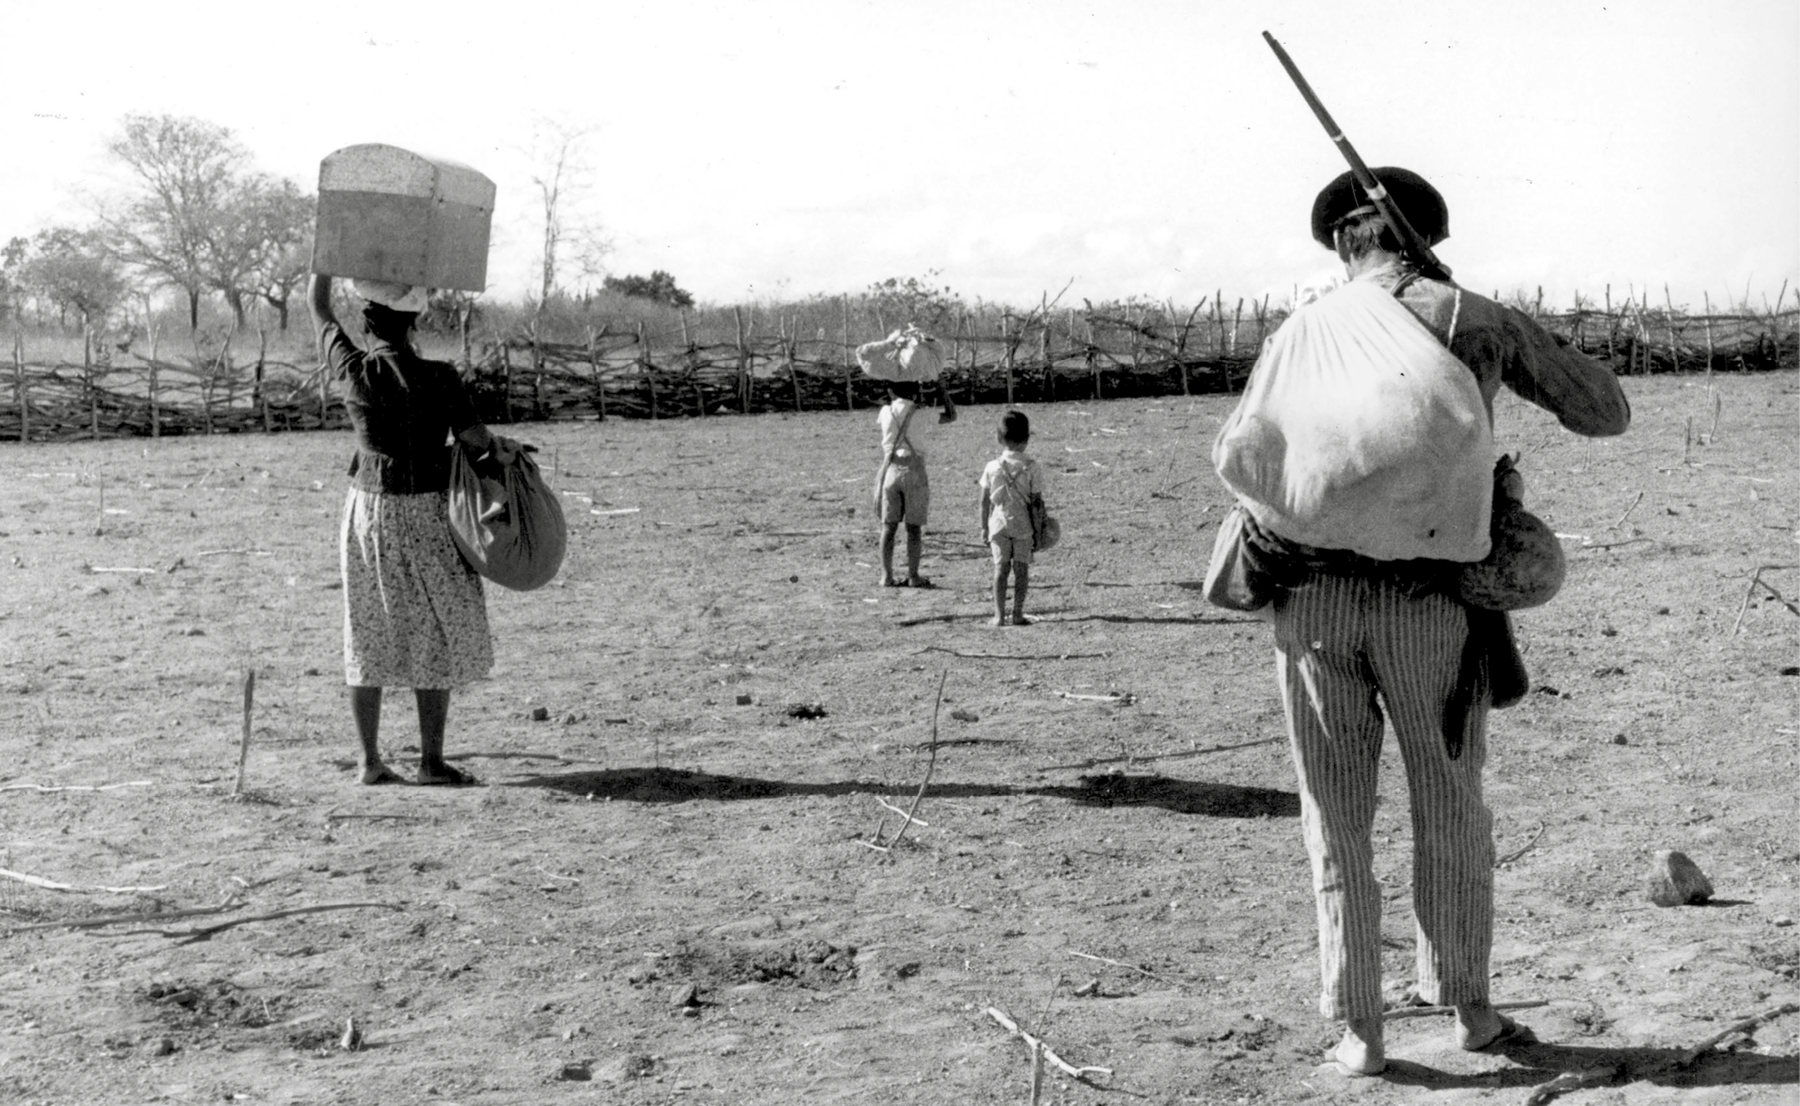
(1412, 244)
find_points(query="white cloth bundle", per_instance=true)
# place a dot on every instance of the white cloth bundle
(908, 354)
(1358, 430)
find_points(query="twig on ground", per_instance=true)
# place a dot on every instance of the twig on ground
(1123, 698)
(923, 619)
(231, 903)
(936, 706)
(1609, 544)
(203, 933)
(52, 885)
(1115, 963)
(1517, 853)
(1617, 522)
(1745, 1026)
(1756, 581)
(1572, 1081)
(234, 552)
(1013, 656)
(332, 815)
(75, 786)
(1043, 1049)
(897, 810)
(1433, 1011)
(128, 571)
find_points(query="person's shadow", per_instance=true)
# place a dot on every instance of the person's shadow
(1557, 1069)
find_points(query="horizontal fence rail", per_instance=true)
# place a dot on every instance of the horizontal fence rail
(1028, 357)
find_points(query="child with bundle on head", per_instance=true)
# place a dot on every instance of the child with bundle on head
(1008, 484)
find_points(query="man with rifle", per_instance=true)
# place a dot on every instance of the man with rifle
(1361, 584)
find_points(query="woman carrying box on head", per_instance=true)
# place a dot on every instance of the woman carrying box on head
(414, 611)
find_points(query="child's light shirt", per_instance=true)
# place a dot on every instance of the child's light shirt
(1010, 480)
(889, 420)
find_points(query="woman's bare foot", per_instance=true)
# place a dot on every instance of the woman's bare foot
(1021, 620)
(379, 773)
(997, 620)
(443, 775)
(1360, 1053)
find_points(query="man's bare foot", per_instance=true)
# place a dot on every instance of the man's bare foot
(890, 582)
(378, 773)
(1360, 1054)
(997, 620)
(1021, 620)
(443, 775)
(1480, 1026)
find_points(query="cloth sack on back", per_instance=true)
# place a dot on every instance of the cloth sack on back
(909, 354)
(1358, 430)
(511, 530)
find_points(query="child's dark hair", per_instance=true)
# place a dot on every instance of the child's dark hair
(1015, 428)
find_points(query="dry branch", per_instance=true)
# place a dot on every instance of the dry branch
(1043, 1049)
(52, 885)
(1013, 656)
(1519, 852)
(1756, 581)
(1115, 963)
(202, 933)
(1616, 523)
(1745, 1026)
(75, 786)
(936, 706)
(1433, 1011)
(230, 903)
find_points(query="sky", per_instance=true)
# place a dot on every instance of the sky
(771, 150)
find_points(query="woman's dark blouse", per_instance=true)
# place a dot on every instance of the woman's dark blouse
(403, 408)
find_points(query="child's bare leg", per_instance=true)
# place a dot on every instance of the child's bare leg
(888, 532)
(915, 548)
(999, 618)
(365, 710)
(1021, 583)
(434, 711)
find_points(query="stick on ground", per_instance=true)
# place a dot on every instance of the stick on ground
(1043, 1049)
(52, 885)
(244, 743)
(1745, 1026)
(74, 786)
(936, 706)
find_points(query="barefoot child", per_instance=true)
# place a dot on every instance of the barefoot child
(1007, 485)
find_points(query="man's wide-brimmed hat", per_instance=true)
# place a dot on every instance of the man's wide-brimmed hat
(1422, 204)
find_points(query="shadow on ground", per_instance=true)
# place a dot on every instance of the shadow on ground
(673, 785)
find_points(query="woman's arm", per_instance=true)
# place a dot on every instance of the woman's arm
(318, 297)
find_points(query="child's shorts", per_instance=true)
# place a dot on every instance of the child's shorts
(905, 494)
(1007, 548)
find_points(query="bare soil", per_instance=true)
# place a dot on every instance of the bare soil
(665, 891)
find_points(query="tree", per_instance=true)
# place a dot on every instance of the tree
(187, 174)
(76, 271)
(262, 244)
(562, 179)
(658, 287)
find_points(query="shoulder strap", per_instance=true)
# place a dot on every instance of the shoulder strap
(901, 437)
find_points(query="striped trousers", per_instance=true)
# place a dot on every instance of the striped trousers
(1345, 648)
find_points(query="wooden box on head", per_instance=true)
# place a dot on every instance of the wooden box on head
(390, 214)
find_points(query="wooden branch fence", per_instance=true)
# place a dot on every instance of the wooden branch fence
(1043, 355)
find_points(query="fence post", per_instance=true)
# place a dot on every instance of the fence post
(593, 352)
(506, 378)
(1093, 363)
(1237, 316)
(645, 367)
(1706, 299)
(21, 387)
(87, 379)
(849, 374)
(743, 362)
(1006, 342)
(1674, 353)
(793, 351)
(262, 356)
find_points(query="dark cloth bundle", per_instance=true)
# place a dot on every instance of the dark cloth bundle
(506, 520)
